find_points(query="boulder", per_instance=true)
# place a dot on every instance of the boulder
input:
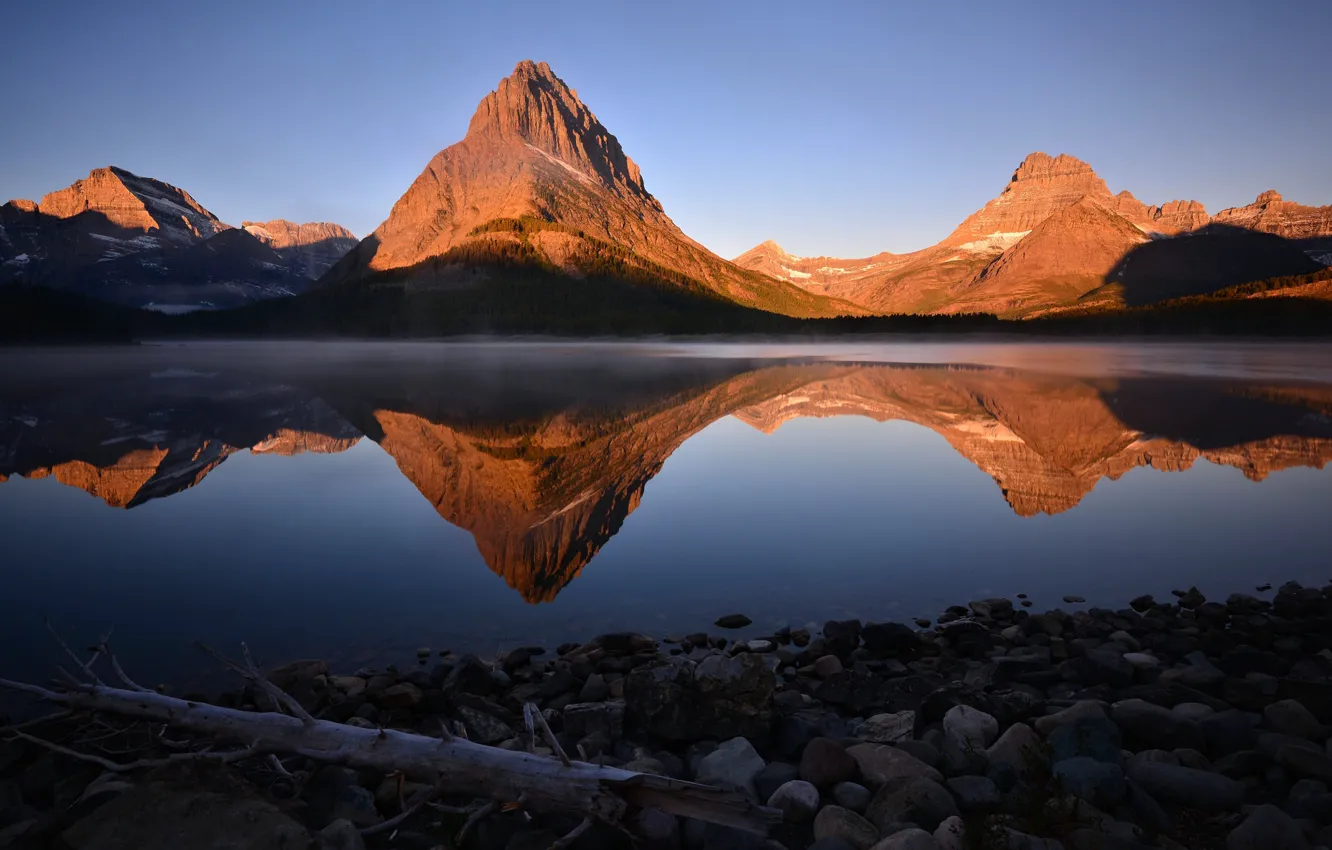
(888, 728)
(1186, 786)
(1098, 782)
(797, 800)
(773, 776)
(679, 700)
(908, 839)
(837, 822)
(951, 834)
(881, 764)
(1011, 756)
(339, 835)
(974, 792)
(1267, 828)
(584, 718)
(1094, 737)
(920, 801)
(1076, 711)
(1290, 717)
(971, 725)
(734, 764)
(1147, 726)
(826, 763)
(852, 795)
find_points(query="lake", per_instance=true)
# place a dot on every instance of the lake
(356, 501)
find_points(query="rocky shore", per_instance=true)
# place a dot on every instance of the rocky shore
(1180, 723)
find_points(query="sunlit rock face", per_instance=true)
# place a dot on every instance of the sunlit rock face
(534, 150)
(309, 249)
(1054, 235)
(543, 476)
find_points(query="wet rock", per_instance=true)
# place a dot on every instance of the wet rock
(852, 795)
(1101, 783)
(889, 639)
(732, 621)
(888, 728)
(1074, 600)
(1186, 786)
(797, 800)
(881, 764)
(594, 689)
(1290, 717)
(773, 776)
(826, 763)
(921, 801)
(1267, 828)
(734, 764)
(156, 817)
(837, 822)
(997, 608)
(1304, 761)
(973, 792)
(655, 829)
(469, 675)
(842, 636)
(585, 718)
(1148, 726)
(971, 725)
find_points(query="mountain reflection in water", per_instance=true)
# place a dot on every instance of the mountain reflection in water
(541, 457)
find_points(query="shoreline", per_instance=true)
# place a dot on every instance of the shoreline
(1169, 723)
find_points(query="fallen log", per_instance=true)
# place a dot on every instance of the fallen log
(453, 764)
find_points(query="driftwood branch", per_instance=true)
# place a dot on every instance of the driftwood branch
(455, 765)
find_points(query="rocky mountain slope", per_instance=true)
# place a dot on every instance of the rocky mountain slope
(538, 181)
(141, 242)
(1056, 233)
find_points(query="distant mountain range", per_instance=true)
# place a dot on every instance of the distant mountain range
(538, 210)
(140, 242)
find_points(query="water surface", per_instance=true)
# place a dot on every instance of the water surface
(360, 500)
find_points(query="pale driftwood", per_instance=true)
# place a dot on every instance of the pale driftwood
(456, 766)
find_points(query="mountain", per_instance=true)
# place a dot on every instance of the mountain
(140, 242)
(310, 249)
(539, 184)
(1055, 234)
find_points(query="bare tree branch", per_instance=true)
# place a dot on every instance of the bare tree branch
(85, 667)
(251, 674)
(417, 804)
(125, 767)
(573, 835)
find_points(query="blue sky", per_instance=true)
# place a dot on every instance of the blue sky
(834, 128)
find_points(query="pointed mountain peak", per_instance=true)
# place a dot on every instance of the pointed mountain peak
(1042, 166)
(772, 246)
(534, 106)
(1271, 196)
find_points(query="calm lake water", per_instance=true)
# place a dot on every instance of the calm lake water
(356, 501)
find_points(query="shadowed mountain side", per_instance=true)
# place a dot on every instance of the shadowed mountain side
(1204, 261)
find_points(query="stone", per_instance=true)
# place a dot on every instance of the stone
(584, 718)
(923, 750)
(1147, 726)
(1093, 737)
(1076, 711)
(852, 795)
(971, 726)
(482, 727)
(921, 801)
(1290, 717)
(797, 800)
(1267, 828)
(1193, 710)
(842, 636)
(469, 675)
(1074, 600)
(826, 763)
(881, 764)
(827, 665)
(888, 728)
(339, 835)
(1014, 750)
(908, 839)
(951, 834)
(594, 689)
(401, 695)
(157, 817)
(831, 842)
(1098, 782)
(973, 792)
(719, 696)
(1142, 660)
(1199, 672)
(1185, 786)
(656, 830)
(889, 639)
(773, 776)
(997, 608)
(1229, 731)
(732, 621)
(734, 764)
(838, 822)
(761, 645)
(1304, 761)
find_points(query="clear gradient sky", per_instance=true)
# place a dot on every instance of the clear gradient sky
(835, 128)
